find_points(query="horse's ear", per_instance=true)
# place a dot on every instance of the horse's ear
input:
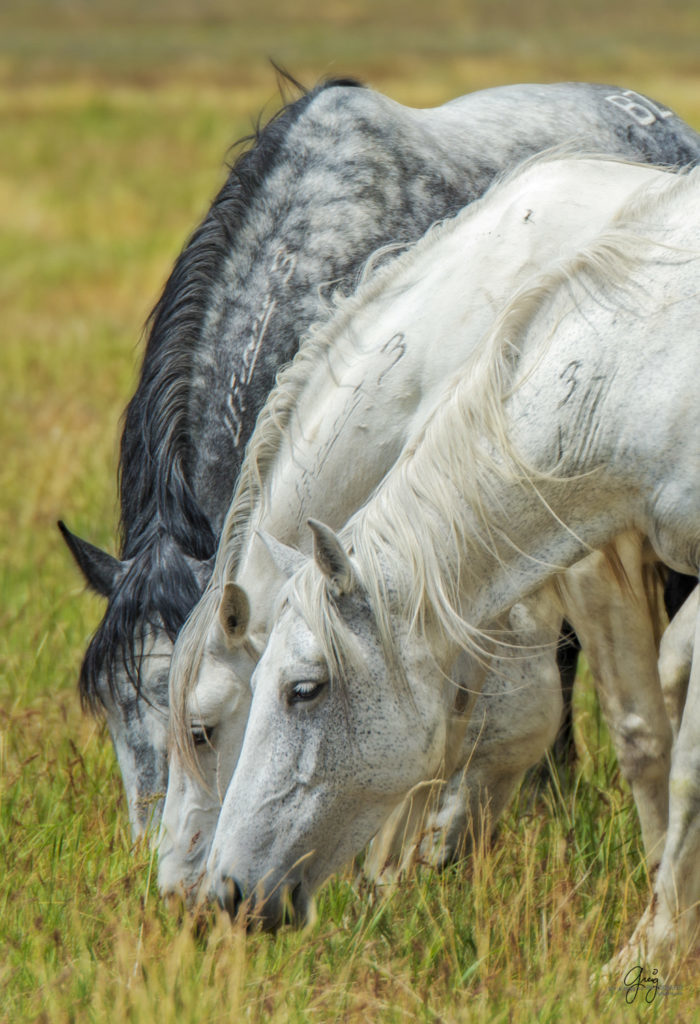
(234, 614)
(287, 560)
(331, 558)
(100, 570)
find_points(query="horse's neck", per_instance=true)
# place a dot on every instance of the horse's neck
(362, 171)
(607, 419)
(381, 376)
(493, 125)
(308, 231)
(375, 385)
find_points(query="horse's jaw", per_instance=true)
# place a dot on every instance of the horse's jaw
(137, 721)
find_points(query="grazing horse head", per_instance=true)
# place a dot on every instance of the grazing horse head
(214, 717)
(329, 733)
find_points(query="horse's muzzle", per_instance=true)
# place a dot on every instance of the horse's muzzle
(286, 904)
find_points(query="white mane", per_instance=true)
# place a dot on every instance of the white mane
(249, 501)
(416, 518)
(248, 505)
(477, 399)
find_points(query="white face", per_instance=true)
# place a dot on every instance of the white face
(218, 712)
(322, 764)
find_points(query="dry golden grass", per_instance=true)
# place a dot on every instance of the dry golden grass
(114, 122)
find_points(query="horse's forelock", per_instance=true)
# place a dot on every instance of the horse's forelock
(184, 669)
(321, 609)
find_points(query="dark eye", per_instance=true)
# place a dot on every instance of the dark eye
(202, 734)
(302, 693)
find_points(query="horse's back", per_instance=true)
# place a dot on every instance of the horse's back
(619, 122)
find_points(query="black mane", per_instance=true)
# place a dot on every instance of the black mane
(155, 442)
(161, 520)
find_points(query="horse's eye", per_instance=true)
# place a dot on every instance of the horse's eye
(302, 693)
(202, 734)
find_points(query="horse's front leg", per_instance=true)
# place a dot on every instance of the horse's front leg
(607, 600)
(675, 658)
(671, 923)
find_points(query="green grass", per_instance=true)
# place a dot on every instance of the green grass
(114, 123)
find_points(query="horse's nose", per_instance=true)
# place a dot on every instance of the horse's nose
(229, 896)
(174, 899)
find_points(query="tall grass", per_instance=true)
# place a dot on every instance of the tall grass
(114, 121)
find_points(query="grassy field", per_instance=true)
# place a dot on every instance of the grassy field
(114, 123)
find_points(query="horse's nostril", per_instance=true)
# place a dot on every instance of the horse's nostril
(230, 896)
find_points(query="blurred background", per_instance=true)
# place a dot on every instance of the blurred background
(115, 120)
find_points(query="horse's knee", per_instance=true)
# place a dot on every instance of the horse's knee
(675, 676)
(675, 659)
(643, 748)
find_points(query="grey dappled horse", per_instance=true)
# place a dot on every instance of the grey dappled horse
(335, 174)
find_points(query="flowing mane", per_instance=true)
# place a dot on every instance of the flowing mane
(492, 363)
(416, 518)
(162, 524)
(377, 276)
(250, 497)
(155, 421)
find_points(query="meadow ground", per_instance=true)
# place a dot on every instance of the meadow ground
(114, 121)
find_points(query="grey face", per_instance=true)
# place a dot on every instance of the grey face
(138, 725)
(125, 677)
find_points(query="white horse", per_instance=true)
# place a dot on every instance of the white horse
(360, 388)
(676, 657)
(578, 419)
